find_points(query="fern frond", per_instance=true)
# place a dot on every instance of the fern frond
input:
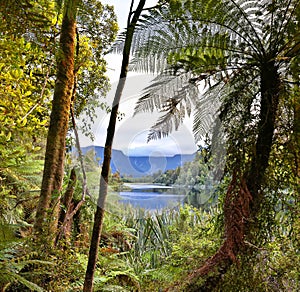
(164, 88)
(142, 33)
(220, 43)
(224, 30)
(174, 96)
(12, 263)
(32, 286)
(165, 125)
(206, 113)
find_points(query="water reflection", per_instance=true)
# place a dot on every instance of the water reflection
(151, 197)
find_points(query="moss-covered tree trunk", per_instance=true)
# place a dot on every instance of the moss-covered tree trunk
(244, 197)
(48, 206)
(99, 215)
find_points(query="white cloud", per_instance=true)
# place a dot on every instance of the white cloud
(131, 132)
(122, 9)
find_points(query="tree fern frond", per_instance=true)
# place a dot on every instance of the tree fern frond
(32, 286)
(283, 17)
(173, 95)
(164, 88)
(12, 263)
(244, 13)
(143, 31)
(206, 112)
(286, 26)
(170, 121)
(223, 49)
(118, 45)
(165, 125)
(174, 37)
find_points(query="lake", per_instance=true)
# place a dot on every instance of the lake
(150, 197)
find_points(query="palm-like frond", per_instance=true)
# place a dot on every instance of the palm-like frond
(174, 96)
(166, 89)
(220, 45)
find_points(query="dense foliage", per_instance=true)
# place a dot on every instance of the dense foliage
(27, 65)
(218, 45)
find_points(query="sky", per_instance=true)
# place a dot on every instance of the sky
(132, 131)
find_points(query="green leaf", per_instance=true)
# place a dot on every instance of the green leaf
(28, 284)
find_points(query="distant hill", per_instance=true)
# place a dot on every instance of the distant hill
(138, 166)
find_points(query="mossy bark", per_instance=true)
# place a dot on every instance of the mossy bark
(48, 206)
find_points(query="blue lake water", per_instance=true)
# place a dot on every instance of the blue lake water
(151, 197)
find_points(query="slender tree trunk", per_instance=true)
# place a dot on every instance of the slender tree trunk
(67, 202)
(99, 215)
(48, 206)
(244, 197)
(296, 138)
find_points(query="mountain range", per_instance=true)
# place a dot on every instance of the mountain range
(138, 166)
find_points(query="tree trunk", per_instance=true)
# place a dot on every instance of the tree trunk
(244, 197)
(99, 215)
(270, 89)
(64, 231)
(296, 138)
(48, 206)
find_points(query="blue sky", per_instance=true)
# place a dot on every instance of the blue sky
(131, 132)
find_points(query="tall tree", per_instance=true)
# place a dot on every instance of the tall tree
(25, 83)
(133, 18)
(59, 120)
(243, 51)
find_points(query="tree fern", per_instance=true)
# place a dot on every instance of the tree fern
(245, 54)
(214, 42)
